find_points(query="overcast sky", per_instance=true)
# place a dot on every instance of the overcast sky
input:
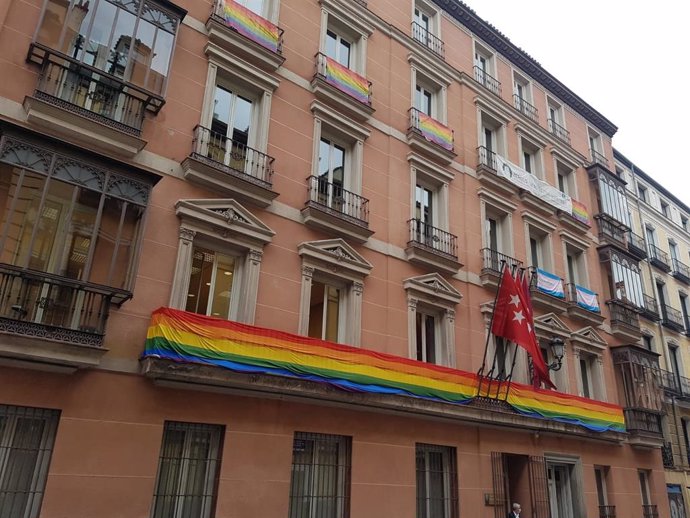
(628, 60)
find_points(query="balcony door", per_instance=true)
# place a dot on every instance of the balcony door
(331, 175)
(231, 130)
(338, 48)
(560, 490)
(424, 214)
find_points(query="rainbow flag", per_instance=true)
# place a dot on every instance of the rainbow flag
(190, 338)
(580, 212)
(251, 25)
(434, 131)
(346, 80)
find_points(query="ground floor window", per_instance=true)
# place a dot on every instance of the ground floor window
(437, 481)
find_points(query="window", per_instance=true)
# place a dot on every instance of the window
(344, 35)
(565, 178)
(684, 223)
(530, 159)
(132, 40)
(673, 249)
(627, 280)
(595, 143)
(437, 481)
(81, 223)
(484, 68)
(685, 310)
(564, 483)
(188, 470)
(643, 477)
(332, 284)
(539, 242)
(665, 208)
(425, 27)
(338, 48)
(429, 204)
(587, 378)
(522, 91)
(642, 193)
(555, 112)
(650, 234)
(492, 134)
(674, 360)
(211, 283)
(423, 100)
(332, 174)
(600, 476)
(320, 479)
(26, 445)
(648, 342)
(613, 199)
(576, 270)
(431, 320)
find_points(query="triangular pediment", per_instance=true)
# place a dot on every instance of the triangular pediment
(589, 336)
(335, 254)
(432, 286)
(550, 323)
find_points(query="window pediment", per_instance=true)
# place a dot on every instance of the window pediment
(337, 256)
(246, 72)
(549, 324)
(348, 129)
(423, 165)
(538, 222)
(496, 202)
(587, 338)
(432, 288)
(351, 14)
(432, 74)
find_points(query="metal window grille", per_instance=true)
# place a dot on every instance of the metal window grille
(27, 436)
(188, 471)
(437, 481)
(320, 482)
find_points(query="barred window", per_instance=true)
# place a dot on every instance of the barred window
(320, 484)
(437, 482)
(188, 471)
(26, 445)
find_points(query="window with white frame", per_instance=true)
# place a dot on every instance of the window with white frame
(426, 26)
(484, 68)
(588, 352)
(539, 241)
(522, 96)
(589, 375)
(555, 111)
(596, 147)
(665, 208)
(344, 35)
(642, 193)
(429, 202)
(320, 477)
(684, 223)
(575, 263)
(333, 173)
(27, 436)
(265, 8)
(333, 276)
(643, 476)
(437, 491)
(531, 157)
(492, 134)
(565, 179)
(431, 323)
(425, 99)
(218, 259)
(188, 470)
(428, 89)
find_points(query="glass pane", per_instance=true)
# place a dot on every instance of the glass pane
(198, 470)
(430, 336)
(324, 157)
(222, 287)
(143, 52)
(161, 61)
(316, 310)
(129, 234)
(256, 6)
(338, 166)
(52, 23)
(242, 122)
(301, 479)
(169, 473)
(419, 336)
(332, 314)
(121, 42)
(436, 484)
(344, 54)
(200, 281)
(97, 48)
(331, 44)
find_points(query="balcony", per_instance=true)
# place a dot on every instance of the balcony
(583, 304)
(674, 384)
(487, 172)
(650, 511)
(681, 271)
(650, 309)
(88, 106)
(335, 210)
(229, 167)
(342, 88)
(636, 245)
(432, 247)
(240, 31)
(53, 322)
(667, 455)
(492, 266)
(431, 138)
(489, 82)
(644, 426)
(598, 159)
(611, 231)
(607, 511)
(428, 40)
(624, 321)
(525, 108)
(559, 131)
(659, 258)
(672, 318)
(547, 291)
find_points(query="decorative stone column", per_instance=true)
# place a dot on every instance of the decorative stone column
(305, 296)
(183, 269)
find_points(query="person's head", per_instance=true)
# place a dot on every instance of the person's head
(516, 508)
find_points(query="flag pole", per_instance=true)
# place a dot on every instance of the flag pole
(509, 375)
(480, 372)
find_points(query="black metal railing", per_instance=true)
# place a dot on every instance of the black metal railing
(493, 261)
(667, 455)
(650, 309)
(424, 36)
(572, 298)
(92, 93)
(642, 420)
(43, 305)
(669, 381)
(650, 511)
(232, 157)
(559, 131)
(525, 108)
(335, 199)
(433, 238)
(637, 245)
(485, 79)
(622, 314)
(681, 271)
(416, 119)
(659, 258)
(671, 318)
(611, 230)
(487, 158)
(607, 511)
(598, 158)
(323, 73)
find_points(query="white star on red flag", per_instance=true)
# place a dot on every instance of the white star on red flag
(518, 316)
(515, 299)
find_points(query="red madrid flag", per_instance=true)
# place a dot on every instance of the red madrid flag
(513, 321)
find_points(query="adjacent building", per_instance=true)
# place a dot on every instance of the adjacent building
(250, 251)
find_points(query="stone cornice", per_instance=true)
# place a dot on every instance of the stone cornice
(518, 57)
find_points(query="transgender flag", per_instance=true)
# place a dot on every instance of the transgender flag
(587, 299)
(550, 284)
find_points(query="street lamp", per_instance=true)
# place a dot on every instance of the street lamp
(557, 346)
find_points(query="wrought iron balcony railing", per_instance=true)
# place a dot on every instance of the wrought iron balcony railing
(431, 129)
(494, 261)
(607, 511)
(485, 79)
(48, 306)
(424, 36)
(623, 314)
(93, 94)
(637, 245)
(344, 79)
(611, 230)
(336, 200)
(598, 158)
(659, 258)
(672, 318)
(681, 271)
(650, 511)
(432, 238)
(525, 108)
(232, 157)
(642, 420)
(667, 455)
(650, 309)
(487, 158)
(559, 131)
(674, 383)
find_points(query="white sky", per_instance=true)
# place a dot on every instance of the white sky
(628, 60)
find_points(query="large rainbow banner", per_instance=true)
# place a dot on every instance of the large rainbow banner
(346, 80)
(251, 25)
(434, 131)
(190, 338)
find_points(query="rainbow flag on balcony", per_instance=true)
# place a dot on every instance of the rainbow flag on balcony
(250, 24)
(580, 212)
(189, 338)
(434, 131)
(346, 80)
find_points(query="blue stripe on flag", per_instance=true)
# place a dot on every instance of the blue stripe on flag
(550, 284)
(587, 299)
